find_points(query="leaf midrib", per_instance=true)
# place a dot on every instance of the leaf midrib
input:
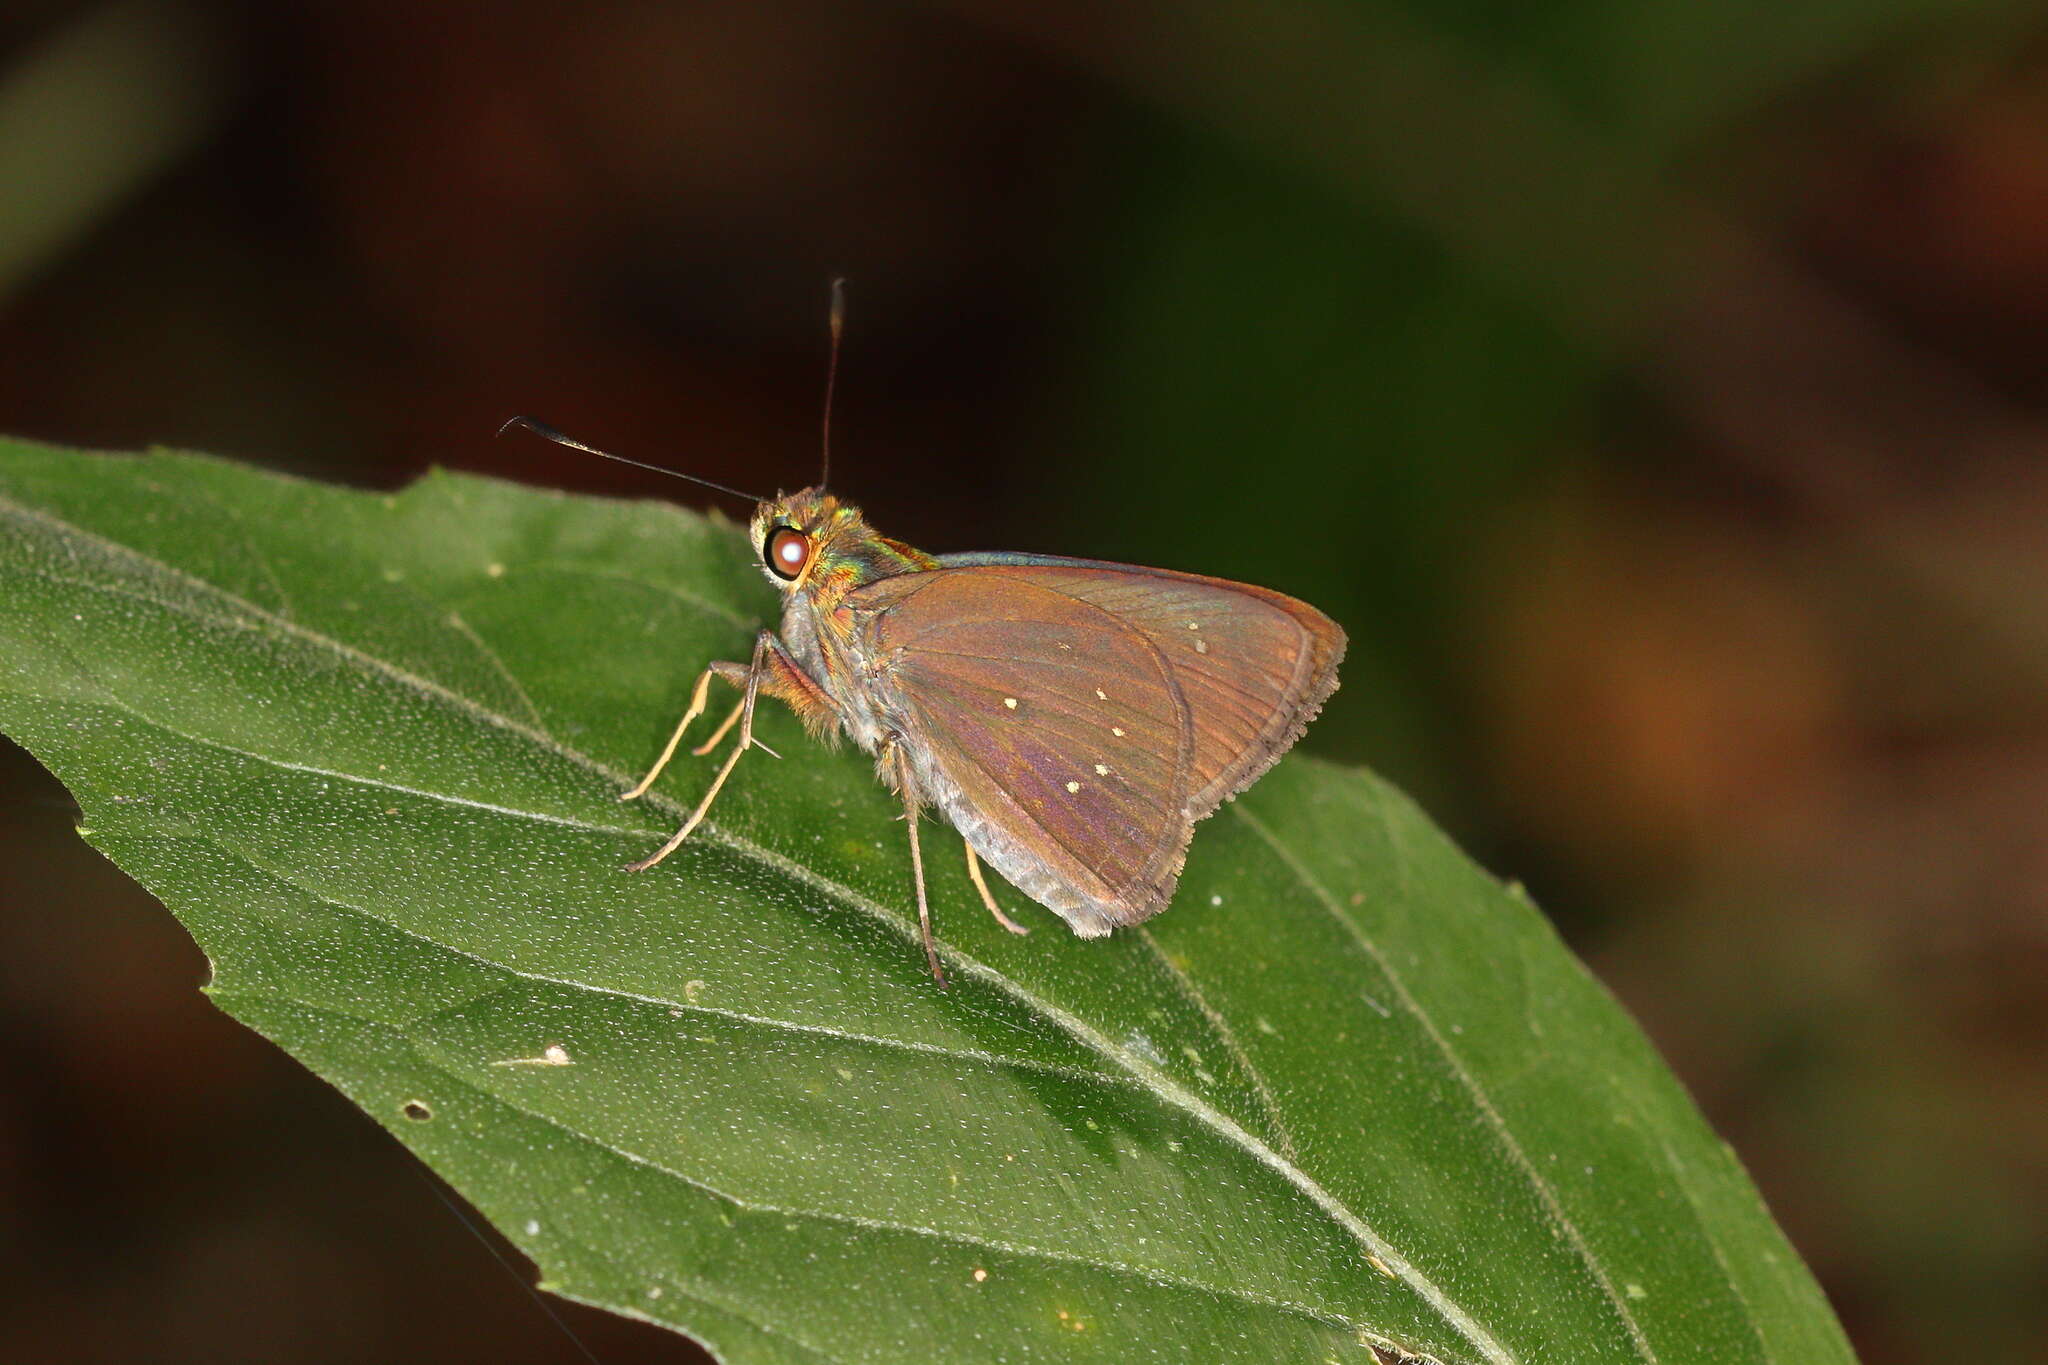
(1161, 1085)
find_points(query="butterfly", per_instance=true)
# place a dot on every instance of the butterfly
(1072, 719)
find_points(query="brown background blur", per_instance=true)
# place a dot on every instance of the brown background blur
(1656, 389)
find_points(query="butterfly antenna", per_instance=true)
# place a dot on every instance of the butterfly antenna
(543, 429)
(832, 377)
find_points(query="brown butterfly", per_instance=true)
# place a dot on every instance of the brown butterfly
(1073, 719)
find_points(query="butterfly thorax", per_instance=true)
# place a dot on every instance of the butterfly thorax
(818, 627)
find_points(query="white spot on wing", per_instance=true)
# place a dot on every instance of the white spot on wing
(1010, 702)
(1101, 695)
(1102, 770)
(1117, 730)
(1073, 786)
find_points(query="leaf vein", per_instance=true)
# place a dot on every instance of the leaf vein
(497, 661)
(1025, 1250)
(1749, 1314)
(1545, 1194)
(974, 1056)
(1228, 1038)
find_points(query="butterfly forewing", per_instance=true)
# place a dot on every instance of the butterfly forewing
(1090, 713)
(1252, 664)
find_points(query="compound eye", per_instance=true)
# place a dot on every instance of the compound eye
(787, 550)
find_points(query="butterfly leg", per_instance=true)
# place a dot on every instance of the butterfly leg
(696, 709)
(974, 872)
(908, 787)
(724, 727)
(771, 671)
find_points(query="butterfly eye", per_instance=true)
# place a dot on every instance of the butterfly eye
(786, 550)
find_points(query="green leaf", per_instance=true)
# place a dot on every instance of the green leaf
(1349, 1099)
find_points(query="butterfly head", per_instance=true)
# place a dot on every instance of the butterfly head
(812, 543)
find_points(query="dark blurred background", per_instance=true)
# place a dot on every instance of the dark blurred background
(1656, 389)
